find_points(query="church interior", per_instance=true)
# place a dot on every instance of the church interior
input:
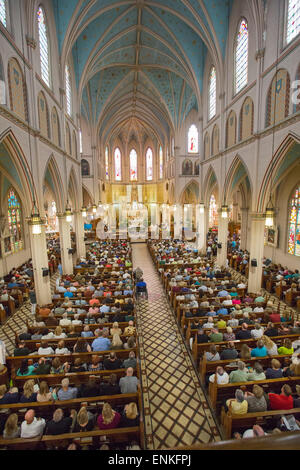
(149, 224)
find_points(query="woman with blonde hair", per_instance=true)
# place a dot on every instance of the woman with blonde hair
(229, 335)
(29, 395)
(129, 416)
(11, 429)
(108, 419)
(58, 333)
(116, 343)
(84, 420)
(245, 352)
(270, 346)
(115, 329)
(44, 394)
(256, 400)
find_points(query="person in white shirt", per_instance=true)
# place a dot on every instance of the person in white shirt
(65, 321)
(222, 376)
(31, 426)
(208, 324)
(258, 309)
(44, 349)
(241, 286)
(257, 331)
(227, 301)
(61, 348)
(76, 320)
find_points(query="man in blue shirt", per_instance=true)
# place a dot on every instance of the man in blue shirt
(100, 343)
(222, 293)
(222, 311)
(68, 293)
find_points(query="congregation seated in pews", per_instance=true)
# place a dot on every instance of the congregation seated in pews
(247, 351)
(76, 368)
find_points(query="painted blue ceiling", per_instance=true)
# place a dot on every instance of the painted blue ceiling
(153, 49)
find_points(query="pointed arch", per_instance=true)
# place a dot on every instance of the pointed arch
(246, 120)
(285, 158)
(17, 89)
(44, 121)
(237, 173)
(52, 175)
(73, 189)
(277, 110)
(17, 168)
(210, 183)
(231, 129)
(190, 193)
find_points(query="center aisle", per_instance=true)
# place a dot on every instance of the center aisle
(175, 409)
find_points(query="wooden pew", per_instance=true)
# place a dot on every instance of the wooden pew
(239, 423)
(209, 367)
(218, 394)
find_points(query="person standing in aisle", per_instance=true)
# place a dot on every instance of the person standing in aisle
(32, 298)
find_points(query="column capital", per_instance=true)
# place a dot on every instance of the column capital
(60, 215)
(257, 216)
(31, 42)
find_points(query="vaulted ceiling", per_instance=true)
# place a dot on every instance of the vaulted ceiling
(141, 58)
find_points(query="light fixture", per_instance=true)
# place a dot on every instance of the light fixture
(83, 211)
(35, 221)
(270, 212)
(201, 208)
(94, 208)
(224, 212)
(68, 214)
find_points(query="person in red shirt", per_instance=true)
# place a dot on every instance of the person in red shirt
(275, 317)
(284, 401)
(94, 302)
(108, 419)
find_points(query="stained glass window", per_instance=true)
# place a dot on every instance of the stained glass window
(213, 212)
(68, 90)
(241, 57)
(293, 20)
(106, 164)
(294, 224)
(212, 93)
(133, 165)
(161, 163)
(44, 46)
(118, 171)
(14, 221)
(193, 139)
(3, 12)
(149, 164)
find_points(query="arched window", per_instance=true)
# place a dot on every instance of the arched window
(14, 221)
(68, 90)
(55, 128)
(106, 164)
(294, 223)
(3, 13)
(161, 163)
(212, 93)
(118, 167)
(241, 57)
(149, 164)
(133, 165)
(85, 168)
(213, 212)
(293, 20)
(44, 46)
(193, 139)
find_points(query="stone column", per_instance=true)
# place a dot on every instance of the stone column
(244, 227)
(65, 244)
(222, 238)
(79, 230)
(39, 256)
(201, 230)
(256, 252)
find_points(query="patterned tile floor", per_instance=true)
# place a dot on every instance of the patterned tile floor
(175, 408)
